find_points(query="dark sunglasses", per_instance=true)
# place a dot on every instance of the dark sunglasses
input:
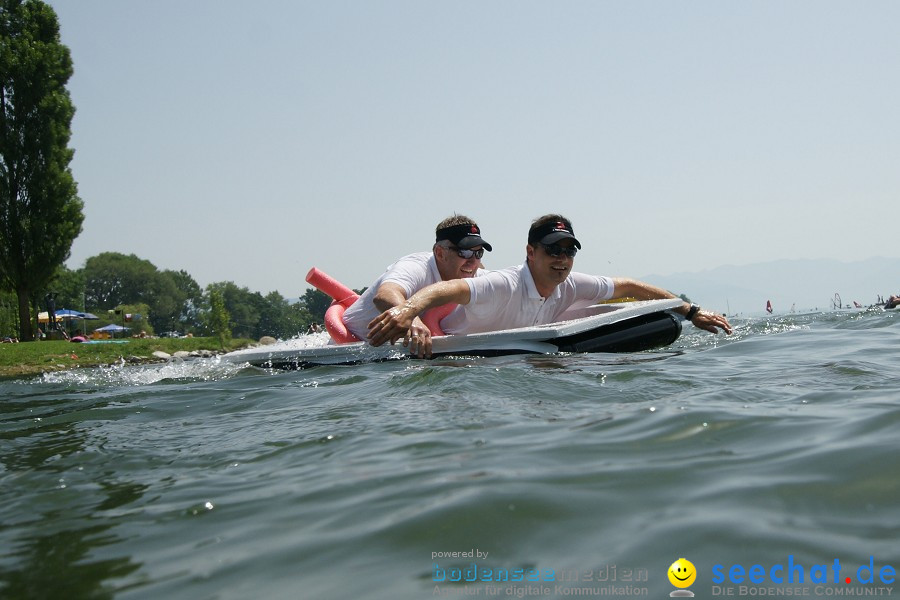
(467, 254)
(556, 250)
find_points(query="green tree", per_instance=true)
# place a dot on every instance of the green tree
(8, 315)
(69, 287)
(165, 301)
(40, 212)
(112, 278)
(191, 298)
(244, 308)
(282, 320)
(132, 316)
(174, 297)
(218, 317)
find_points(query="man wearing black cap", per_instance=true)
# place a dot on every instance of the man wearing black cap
(456, 254)
(541, 291)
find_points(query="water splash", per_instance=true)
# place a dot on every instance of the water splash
(125, 375)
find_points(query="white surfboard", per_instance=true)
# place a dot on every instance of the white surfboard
(622, 327)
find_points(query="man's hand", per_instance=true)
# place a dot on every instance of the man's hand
(418, 339)
(401, 322)
(711, 322)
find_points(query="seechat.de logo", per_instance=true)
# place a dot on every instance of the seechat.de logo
(792, 572)
(682, 574)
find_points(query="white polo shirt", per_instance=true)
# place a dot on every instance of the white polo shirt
(508, 298)
(412, 273)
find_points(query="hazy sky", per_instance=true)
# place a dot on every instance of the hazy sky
(249, 141)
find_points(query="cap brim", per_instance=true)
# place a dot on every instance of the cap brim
(471, 241)
(552, 238)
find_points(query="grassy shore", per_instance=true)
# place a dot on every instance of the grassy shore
(33, 358)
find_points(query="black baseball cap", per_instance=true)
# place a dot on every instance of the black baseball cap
(552, 232)
(463, 236)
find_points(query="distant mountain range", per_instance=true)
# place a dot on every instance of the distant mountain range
(802, 284)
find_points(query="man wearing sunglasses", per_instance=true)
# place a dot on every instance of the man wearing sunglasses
(456, 254)
(543, 290)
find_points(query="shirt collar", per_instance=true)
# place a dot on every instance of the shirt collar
(432, 266)
(531, 288)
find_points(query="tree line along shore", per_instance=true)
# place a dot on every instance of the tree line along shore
(130, 291)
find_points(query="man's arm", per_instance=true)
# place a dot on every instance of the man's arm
(389, 295)
(396, 322)
(632, 288)
(392, 294)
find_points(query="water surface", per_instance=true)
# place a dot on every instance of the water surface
(208, 480)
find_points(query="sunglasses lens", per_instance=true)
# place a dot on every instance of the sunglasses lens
(467, 254)
(556, 250)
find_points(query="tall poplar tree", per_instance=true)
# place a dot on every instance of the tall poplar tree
(40, 212)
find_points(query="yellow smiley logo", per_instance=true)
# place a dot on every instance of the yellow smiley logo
(682, 573)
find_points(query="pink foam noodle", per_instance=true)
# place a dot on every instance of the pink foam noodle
(343, 297)
(432, 318)
(334, 324)
(327, 284)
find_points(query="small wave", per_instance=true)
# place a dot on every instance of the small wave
(123, 374)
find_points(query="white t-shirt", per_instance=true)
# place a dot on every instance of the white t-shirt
(412, 273)
(508, 298)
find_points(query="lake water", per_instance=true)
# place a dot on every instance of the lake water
(577, 476)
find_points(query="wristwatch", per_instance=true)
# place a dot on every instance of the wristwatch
(692, 312)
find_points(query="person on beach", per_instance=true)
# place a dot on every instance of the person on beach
(543, 290)
(456, 254)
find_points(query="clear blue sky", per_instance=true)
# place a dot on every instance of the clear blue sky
(248, 141)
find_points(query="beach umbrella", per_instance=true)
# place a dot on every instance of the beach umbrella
(112, 328)
(75, 314)
(69, 315)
